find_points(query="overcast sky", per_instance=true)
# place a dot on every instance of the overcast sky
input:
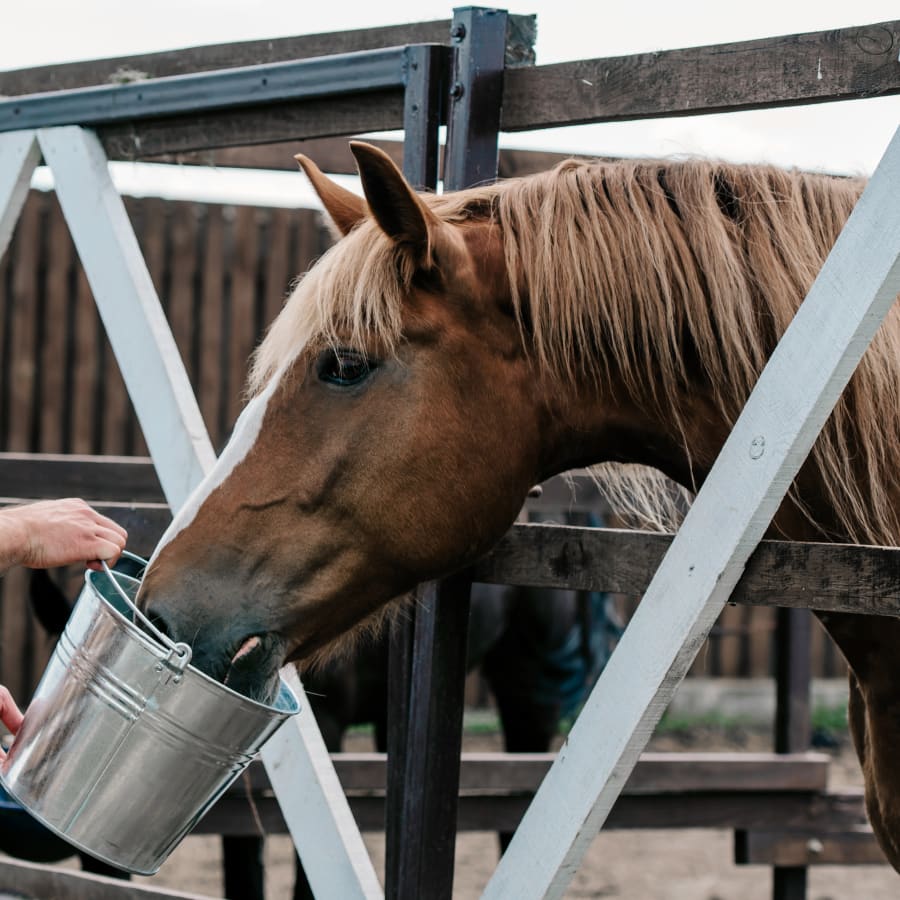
(845, 137)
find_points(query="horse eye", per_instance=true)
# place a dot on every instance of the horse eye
(344, 367)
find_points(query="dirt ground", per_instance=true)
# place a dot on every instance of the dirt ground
(628, 865)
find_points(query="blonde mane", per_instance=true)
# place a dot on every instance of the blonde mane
(665, 274)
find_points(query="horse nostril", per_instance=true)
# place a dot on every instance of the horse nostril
(158, 621)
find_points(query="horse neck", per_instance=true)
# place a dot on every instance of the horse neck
(587, 425)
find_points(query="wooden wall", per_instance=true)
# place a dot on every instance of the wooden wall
(222, 273)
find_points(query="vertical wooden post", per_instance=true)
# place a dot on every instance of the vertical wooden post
(422, 866)
(431, 775)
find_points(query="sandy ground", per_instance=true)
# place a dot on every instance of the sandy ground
(629, 865)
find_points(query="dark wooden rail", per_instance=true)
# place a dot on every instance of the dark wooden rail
(836, 577)
(813, 67)
(666, 790)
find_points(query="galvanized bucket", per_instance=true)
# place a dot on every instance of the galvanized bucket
(125, 746)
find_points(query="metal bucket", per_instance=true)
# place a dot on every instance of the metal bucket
(125, 746)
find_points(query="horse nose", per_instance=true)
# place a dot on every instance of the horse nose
(159, 621)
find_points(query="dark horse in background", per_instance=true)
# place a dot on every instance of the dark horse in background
(539, 650)
(451, 351)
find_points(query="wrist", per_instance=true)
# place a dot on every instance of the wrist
(13, 540)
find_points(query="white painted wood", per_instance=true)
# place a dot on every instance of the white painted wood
(770, 440)
(19, 155)
(148, 358)
(322, 826)
(313, 804)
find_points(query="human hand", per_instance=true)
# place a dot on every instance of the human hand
(57, 532)
(10, 714)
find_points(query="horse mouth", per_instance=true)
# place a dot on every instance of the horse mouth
(253, 669)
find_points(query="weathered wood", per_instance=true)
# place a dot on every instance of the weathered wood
(333, 155)
(655, 773)
(123, 69)
(814, 67)
(40, 476)
(836, 577)
(818, 846)
(752, 810)
(29, 880)
(128, 304)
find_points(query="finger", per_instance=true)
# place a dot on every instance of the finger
(10, 714)
(111, 536)
(114, 527)
(105, 551)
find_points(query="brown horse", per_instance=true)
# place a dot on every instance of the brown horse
(451, 351)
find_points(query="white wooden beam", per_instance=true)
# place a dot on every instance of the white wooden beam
(309, 793)
(772, 437)
(19, 155)
(141, 339)
(322, 826)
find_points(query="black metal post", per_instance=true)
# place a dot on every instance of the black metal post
(426, 853)
(428, 66)
(792, 719)
(421, 845)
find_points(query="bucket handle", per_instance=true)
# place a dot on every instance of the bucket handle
(179, 653)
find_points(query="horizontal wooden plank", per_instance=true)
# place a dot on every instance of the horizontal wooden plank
(656, 773)
(24, 879)
(752, 810)
(333, 155)
(837, 577)
(814, 67)
(521, 33)
(819, 846)
(47, 475)
(377, 111)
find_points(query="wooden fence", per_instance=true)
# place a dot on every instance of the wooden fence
(222, 273)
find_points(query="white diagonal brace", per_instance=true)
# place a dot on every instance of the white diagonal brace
(19, 155)
(141, 339)
(313, 804)
(788, 407)
(322, 826)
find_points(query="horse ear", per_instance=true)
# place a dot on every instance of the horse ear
(399, 211)
(345, 208)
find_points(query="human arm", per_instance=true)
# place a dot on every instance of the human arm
(55, 533)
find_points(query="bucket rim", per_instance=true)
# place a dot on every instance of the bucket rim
(284, 689)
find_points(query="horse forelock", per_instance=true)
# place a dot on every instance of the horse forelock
(353, 295)
(664, 274)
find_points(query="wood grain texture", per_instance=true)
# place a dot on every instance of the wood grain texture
(814, 67)
(818, 846)
(520, 49)
(24, 879)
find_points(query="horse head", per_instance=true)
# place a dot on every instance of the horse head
(391, 437)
